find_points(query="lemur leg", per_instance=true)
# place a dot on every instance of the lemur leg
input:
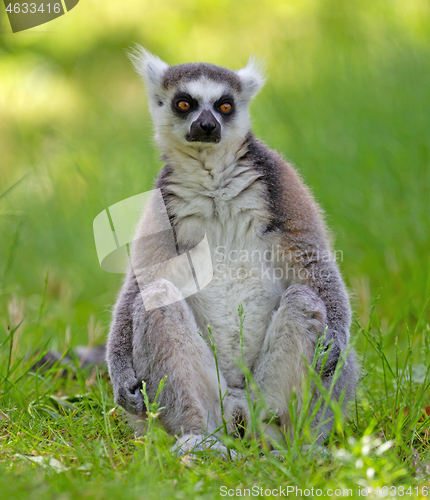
(292, 335)
(166, 342)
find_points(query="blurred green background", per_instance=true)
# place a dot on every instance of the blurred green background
(347, 101)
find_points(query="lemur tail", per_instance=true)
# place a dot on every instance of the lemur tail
(87, 356)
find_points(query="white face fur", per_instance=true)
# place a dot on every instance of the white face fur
(197, 107)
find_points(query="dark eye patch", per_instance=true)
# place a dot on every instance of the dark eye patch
(226, 98)
(183, 96)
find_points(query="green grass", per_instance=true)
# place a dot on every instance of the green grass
(347, 101)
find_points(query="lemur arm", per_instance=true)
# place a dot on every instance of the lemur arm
(153, 244)
(119, 352)
(303, 236)
(325, 280)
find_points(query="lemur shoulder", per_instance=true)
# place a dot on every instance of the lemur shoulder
(269, 249)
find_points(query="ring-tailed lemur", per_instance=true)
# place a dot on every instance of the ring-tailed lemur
(259, 220)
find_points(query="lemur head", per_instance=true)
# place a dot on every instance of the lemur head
(197, 105)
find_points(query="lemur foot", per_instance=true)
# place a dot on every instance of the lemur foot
(191, 443)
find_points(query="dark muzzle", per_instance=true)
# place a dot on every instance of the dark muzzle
(205, 129)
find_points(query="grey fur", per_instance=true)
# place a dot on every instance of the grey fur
(243, 197)
(194, 71)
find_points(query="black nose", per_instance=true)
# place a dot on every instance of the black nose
(208, 126)
(205, 129)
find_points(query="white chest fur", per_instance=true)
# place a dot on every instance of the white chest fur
(228, 204)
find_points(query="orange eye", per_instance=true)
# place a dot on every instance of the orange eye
(184, 105)
(226, 107)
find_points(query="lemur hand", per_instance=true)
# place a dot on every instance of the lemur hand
(127, 392)
(329, 357)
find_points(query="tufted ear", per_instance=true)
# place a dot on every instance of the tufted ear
(252, 77)
(151, 68)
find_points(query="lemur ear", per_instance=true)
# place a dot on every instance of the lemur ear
(252, 77)
(151, 68)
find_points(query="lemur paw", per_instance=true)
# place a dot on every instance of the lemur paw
(127, 392)
(237, 412)
(328, 359)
